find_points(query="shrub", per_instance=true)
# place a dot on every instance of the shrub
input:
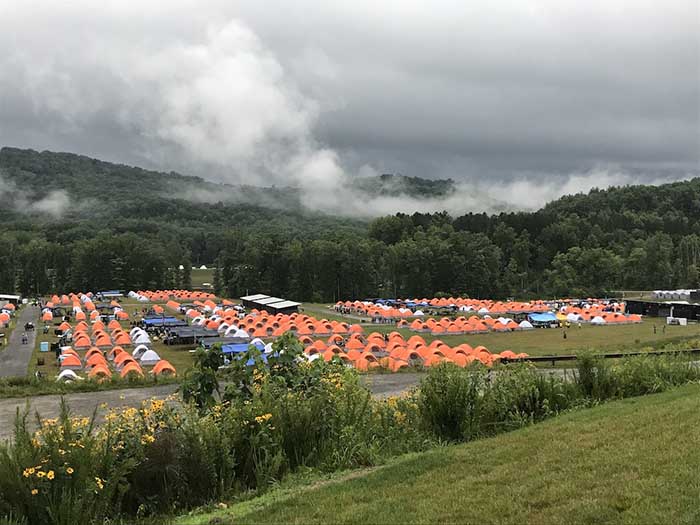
(450, 400)
(520, 396)
(467, 403)
(642, 375)
(62, 473)
(595, 377)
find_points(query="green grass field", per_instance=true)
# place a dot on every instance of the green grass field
(627, 462)
(200, 277)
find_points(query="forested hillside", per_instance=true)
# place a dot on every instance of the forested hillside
(124, 227)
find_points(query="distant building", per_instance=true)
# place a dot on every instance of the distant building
(272, 305)
(664, 309)
(10, 298)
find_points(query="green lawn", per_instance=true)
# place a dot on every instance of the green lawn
(199, 277)
(627, 462)
(548, 341)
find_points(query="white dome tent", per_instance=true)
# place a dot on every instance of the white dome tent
(149, 358)
(597, 320)
(141, 339)
(67, 375)
(239, 334)
(139, 351)
(525, 325)
(135, 330)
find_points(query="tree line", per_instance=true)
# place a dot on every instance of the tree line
(634, 237)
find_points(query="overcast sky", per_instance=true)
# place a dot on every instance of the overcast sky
(524, 98)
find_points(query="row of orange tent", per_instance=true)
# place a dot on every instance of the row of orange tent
(79, 315)
(99, 337)
(98, 368)
(166, 295)
(462, 325)
(477, 305)
(396, 353)
(260, 324)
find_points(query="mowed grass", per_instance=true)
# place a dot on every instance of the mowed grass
(199, 277)
(547, 341)
(628, 462)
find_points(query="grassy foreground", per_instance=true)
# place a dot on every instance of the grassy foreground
(630, 461)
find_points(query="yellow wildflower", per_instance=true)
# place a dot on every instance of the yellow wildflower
(40, 474)
(35, 492)
(50, 475)
(399, 417)
(100, 483)
(69, 470)
(147, 438)
(263, 418)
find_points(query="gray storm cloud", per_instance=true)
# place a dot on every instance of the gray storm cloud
(518, 102)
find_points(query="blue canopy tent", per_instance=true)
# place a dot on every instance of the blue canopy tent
(543, 319)
(236, 350)
(163, 321)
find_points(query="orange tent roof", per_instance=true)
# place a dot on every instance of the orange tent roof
(99, 371)
(163, 367)
(131, 367)
(72, 361)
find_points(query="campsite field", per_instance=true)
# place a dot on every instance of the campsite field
(178, 355)
(548, 341)
(630, 461)
(533, 342)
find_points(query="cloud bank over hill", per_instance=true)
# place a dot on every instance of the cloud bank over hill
(519, 103)
(54, 203)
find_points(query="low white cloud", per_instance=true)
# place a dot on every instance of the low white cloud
(236, 94)
(56, 203)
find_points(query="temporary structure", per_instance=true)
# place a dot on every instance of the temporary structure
(149, 358)
(139, 351)
(67, 375)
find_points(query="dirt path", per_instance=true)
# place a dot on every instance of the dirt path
(14, 358)
(84, 404)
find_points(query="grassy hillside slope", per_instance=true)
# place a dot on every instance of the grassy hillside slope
(632, 461)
